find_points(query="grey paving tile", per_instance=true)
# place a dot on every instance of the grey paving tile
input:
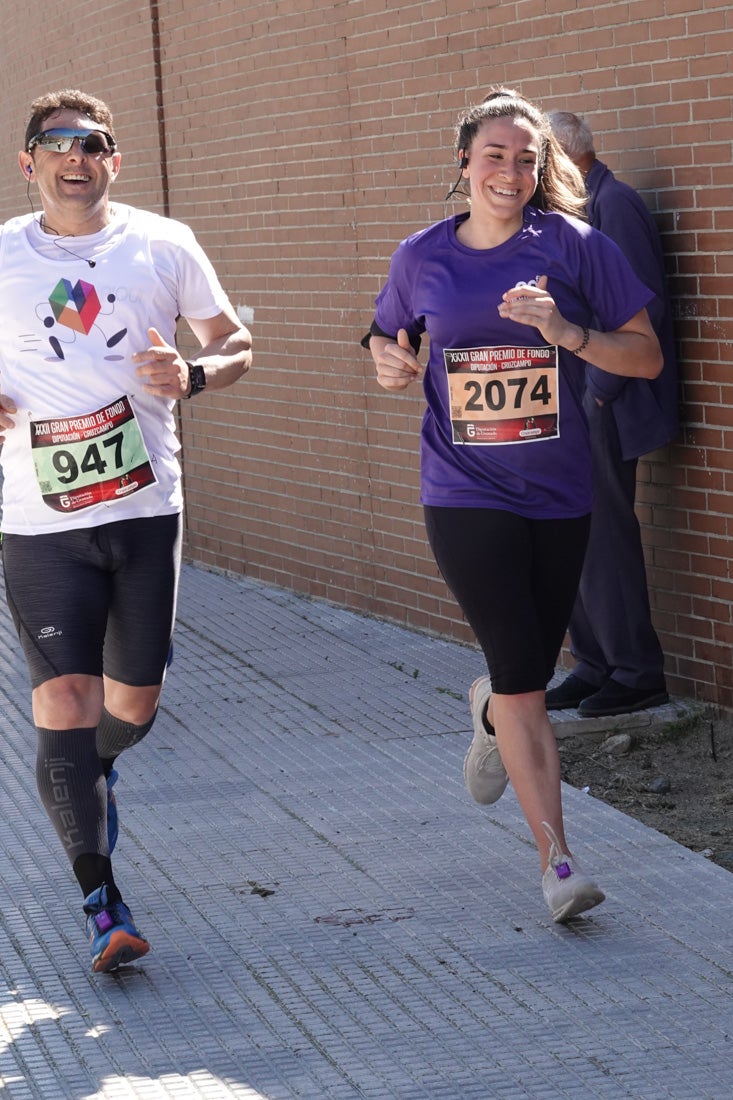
(330, 916)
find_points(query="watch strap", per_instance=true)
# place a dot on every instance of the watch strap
(196, 379)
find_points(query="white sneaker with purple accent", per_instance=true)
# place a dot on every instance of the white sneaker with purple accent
(567, 890)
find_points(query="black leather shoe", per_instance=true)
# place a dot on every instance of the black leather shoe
(569, 693)
(616, 698)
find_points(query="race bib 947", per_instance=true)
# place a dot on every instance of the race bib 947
(502, 394)
(91, 458)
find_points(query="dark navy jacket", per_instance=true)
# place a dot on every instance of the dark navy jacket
(646, 412)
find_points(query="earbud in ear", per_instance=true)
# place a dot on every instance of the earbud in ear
(464, 162)
(29, 170)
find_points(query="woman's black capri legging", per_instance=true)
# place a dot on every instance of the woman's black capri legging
(515, 580)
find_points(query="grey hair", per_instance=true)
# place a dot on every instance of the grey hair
(573, 133)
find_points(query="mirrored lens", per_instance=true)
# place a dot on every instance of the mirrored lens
(61, 141)
(54, 143)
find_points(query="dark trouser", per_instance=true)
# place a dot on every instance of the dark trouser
(611, 630)
(515, 580)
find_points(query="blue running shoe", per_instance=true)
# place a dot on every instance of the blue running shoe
(113, 828)
(113, 938)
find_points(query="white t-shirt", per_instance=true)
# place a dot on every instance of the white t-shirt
(89, 446)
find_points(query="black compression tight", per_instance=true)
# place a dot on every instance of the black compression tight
(515, 580)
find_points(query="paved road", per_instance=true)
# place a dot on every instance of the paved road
(331, 917)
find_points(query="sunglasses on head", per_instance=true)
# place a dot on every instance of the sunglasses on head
(61, 141)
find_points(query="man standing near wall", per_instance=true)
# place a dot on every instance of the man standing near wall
(620, 664)
(90, 293)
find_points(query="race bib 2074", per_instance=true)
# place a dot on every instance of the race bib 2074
(502, 394)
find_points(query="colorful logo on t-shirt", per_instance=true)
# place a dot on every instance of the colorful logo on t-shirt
(77, 307)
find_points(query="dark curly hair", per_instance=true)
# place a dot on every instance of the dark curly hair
(72, 100)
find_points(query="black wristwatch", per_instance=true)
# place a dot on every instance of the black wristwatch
(196, 378)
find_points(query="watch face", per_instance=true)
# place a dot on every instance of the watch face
(198, 378)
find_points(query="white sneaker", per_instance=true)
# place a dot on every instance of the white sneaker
(483, 771)
(566, 889)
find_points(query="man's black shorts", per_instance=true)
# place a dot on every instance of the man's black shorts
(96, 601)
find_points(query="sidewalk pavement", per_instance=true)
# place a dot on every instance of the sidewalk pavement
(330, 915)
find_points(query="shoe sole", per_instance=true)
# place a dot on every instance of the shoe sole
(611, 712)
(577, 905)
(122, 948)
(571, 704)
(483, 801)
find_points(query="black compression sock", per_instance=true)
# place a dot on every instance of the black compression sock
(92, 871)
(72, 789)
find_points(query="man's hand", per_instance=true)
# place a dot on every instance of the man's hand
(164, 372)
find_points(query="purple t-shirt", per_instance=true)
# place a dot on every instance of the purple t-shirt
(504, 425)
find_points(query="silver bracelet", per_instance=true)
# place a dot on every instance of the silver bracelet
(582, 346)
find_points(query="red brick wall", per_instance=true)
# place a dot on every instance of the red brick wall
(303, 141)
